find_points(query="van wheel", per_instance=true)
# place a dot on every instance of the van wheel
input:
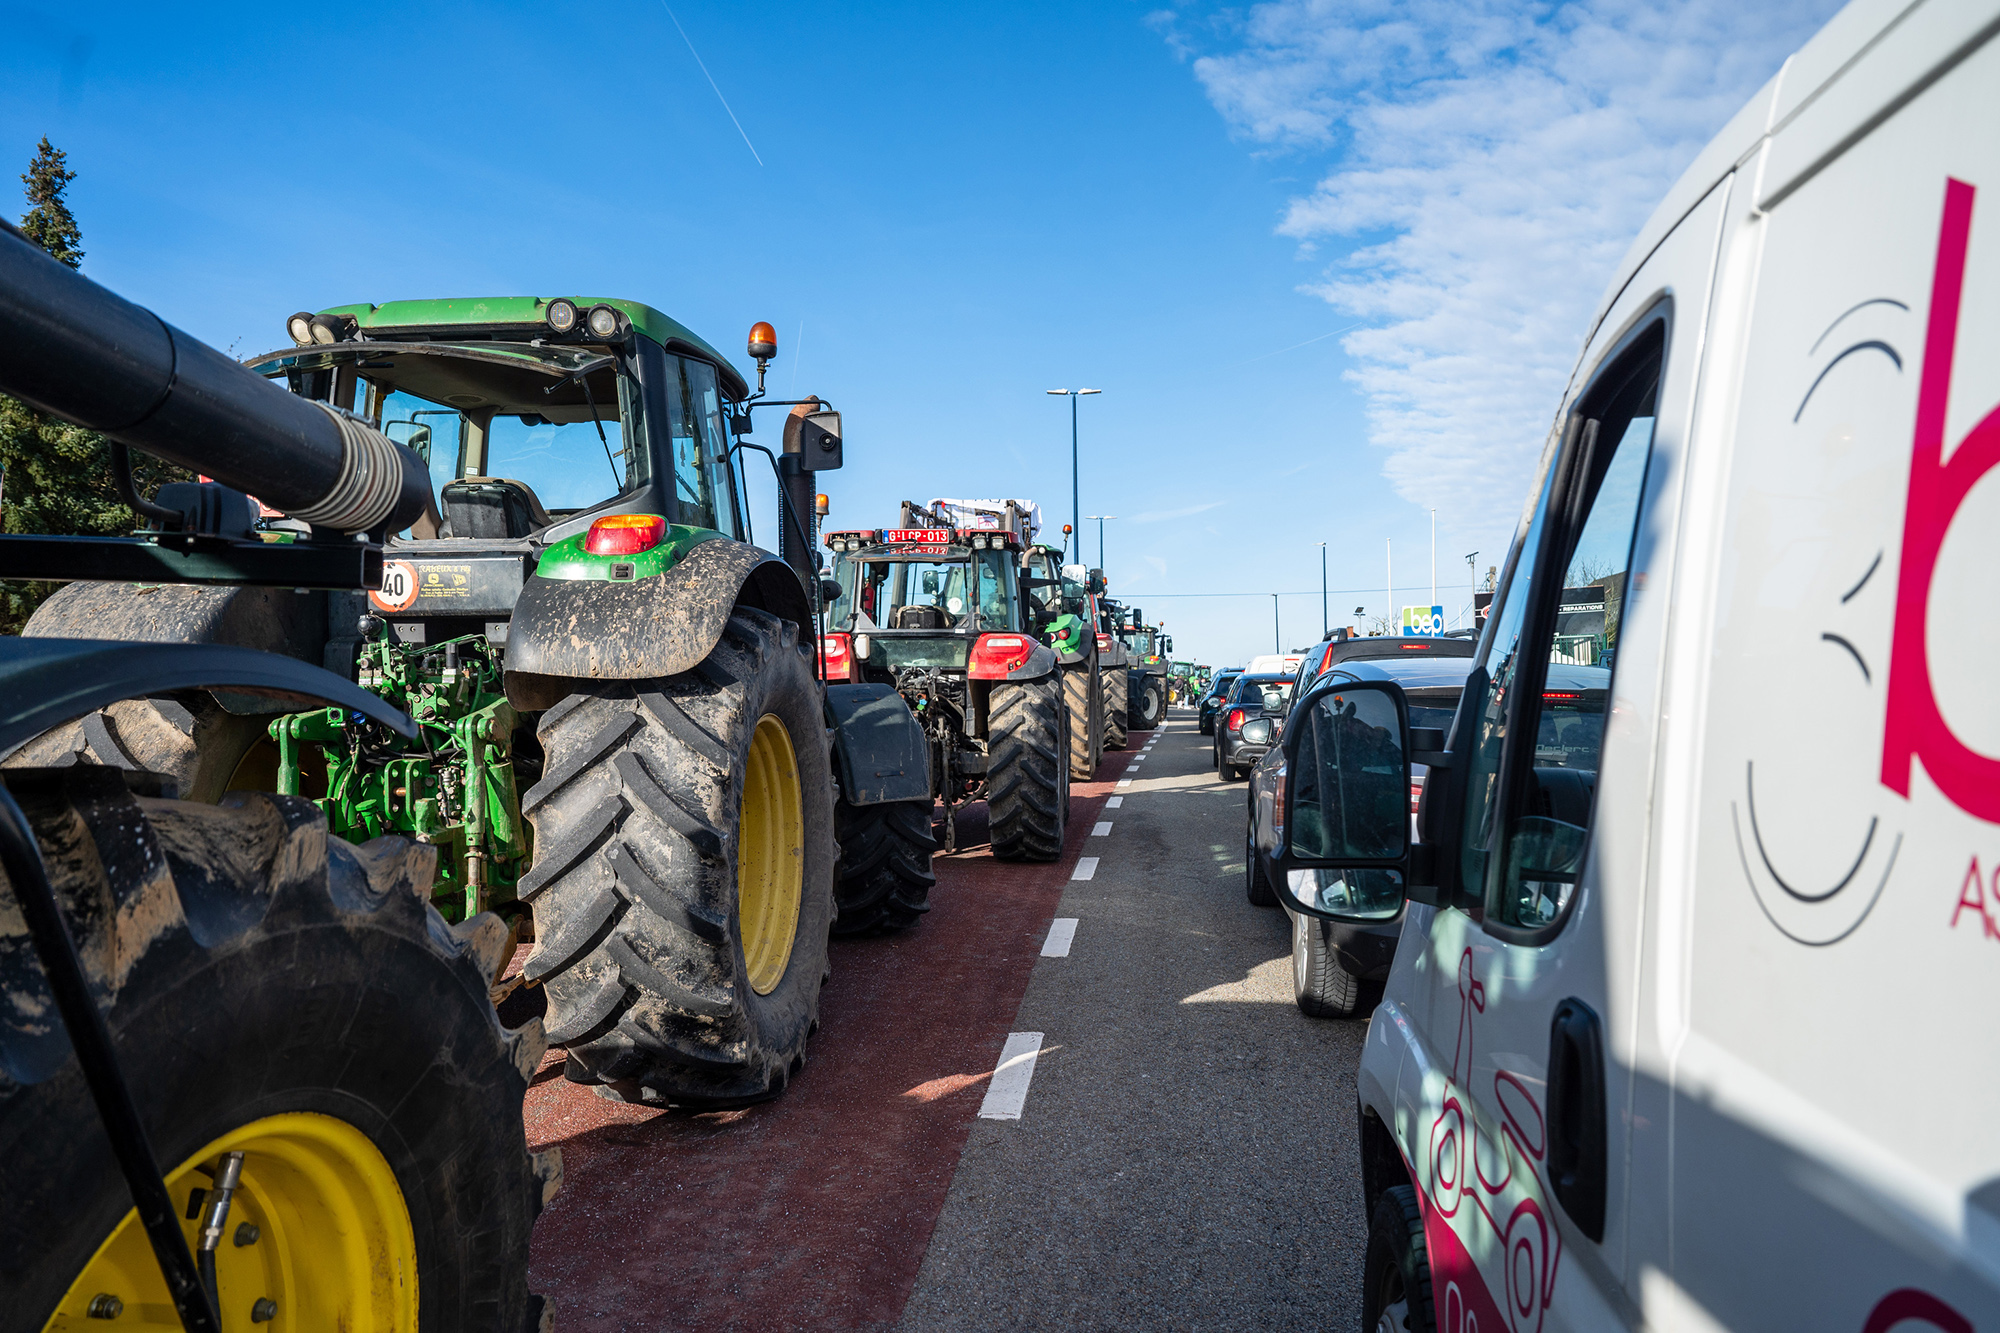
(1396, 1272)
(1256, 885)
(683, 876)
(1321, 987)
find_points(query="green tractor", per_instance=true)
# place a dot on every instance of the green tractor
(624, 747)
(1147, 650)
(947, 616)
(1062, 609)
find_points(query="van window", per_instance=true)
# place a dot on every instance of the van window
(1558, 663)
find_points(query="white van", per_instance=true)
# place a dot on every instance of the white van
(1283, 664)
(1692, 1019)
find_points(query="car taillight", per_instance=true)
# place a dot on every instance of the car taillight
(1235, 719)
(836, 656)
(1416, 793)
(625, 534)
(996, 656)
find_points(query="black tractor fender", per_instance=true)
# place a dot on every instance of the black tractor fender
(566, 630)
(880, 751)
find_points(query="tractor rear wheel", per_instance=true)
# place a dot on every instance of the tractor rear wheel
(683, 876)
(885, 874)
(1152, 704)
(1027, 778)
(1114, 708)
(292, 997)
(1083, 696)
(189, 739)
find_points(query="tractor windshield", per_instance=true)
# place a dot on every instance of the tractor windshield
(972, 589)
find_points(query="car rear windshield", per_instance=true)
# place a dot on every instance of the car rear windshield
(1273, 693)
(1571, 731)
(1433, 707)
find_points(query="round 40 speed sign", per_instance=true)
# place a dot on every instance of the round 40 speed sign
(399, 586)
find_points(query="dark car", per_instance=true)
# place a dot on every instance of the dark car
(1212, 698)
(1330, 652)
(1330, 960)
(1249, 721)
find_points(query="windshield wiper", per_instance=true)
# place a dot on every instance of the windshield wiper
(581, 375)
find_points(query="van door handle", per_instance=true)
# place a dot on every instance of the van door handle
(1576, 1115)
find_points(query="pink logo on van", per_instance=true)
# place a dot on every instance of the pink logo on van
(1915, 727)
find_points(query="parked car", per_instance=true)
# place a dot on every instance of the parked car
(1331, 650)
(1692, 1039)
(1331, 959)
(1249, 720)
(1212, 697)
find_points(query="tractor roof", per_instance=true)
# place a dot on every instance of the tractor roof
(463, 314)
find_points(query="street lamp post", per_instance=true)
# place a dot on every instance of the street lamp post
(1277, 639)
(1100, 535)
(1075, 488)
(1323, 624)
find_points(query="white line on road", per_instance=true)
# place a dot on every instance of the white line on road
(1008, 1091)
(1102, 829)
(1124, 782)
(1113, 802)
(1061, 931)
(1139, 758)
(1086, 867)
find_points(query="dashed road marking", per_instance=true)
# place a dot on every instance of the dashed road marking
(1124, 782)
(1062, 930)
(1008, 1091)
(1113, 802)
(1102, 830)
(1086, 868)
(1139, 758)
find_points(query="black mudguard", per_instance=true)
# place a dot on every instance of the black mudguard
(567, 630)
(881, 752)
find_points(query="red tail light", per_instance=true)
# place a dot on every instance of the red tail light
(1416, 793)
(625, 534)
(836, 655)
(1560, 694)
(1104, 643)
(1235, 722)
(996, 656)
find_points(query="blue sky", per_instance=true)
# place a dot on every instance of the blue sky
(1329, 263)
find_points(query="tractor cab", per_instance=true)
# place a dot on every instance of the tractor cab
(920, 597)
(1061, 600)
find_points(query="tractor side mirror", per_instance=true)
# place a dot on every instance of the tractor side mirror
(1096, 581)
(930, 583)
(819, 442)
(829, 591)
(1340, 838)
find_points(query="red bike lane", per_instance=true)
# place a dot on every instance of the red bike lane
(814, 1210)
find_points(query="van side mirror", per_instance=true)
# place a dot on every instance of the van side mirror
(1343, 803)
(819, 442)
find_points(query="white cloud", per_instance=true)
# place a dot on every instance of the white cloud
(1492, 162)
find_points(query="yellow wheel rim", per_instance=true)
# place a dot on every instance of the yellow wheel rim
(770, 855)
(333, 1247)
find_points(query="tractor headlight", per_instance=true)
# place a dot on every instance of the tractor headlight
(300, 327)
(561, 315)
(862, 643)
(603, 322)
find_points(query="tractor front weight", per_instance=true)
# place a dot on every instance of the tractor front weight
(453, 786)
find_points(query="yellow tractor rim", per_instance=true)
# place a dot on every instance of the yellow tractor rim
(332, 1245)
(770, 855)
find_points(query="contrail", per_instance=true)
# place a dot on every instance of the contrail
(1282, 350)
(711, 81)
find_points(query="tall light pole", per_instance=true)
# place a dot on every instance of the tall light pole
(1434, 557)
(1100, 535)
(1075, 488)
(1277, 639)
(1323, 623)
(1389, 583)
(1472, 584)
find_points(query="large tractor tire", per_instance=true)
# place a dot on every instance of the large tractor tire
(1151, 704)
(885, 874)
(276, 992)
(1115, 705)
(683, 876)
(1027, 776)
(188, 739)
(1083, 698)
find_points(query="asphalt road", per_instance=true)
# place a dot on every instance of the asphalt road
(1186, 1156)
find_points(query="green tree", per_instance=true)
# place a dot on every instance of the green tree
(56, 477)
